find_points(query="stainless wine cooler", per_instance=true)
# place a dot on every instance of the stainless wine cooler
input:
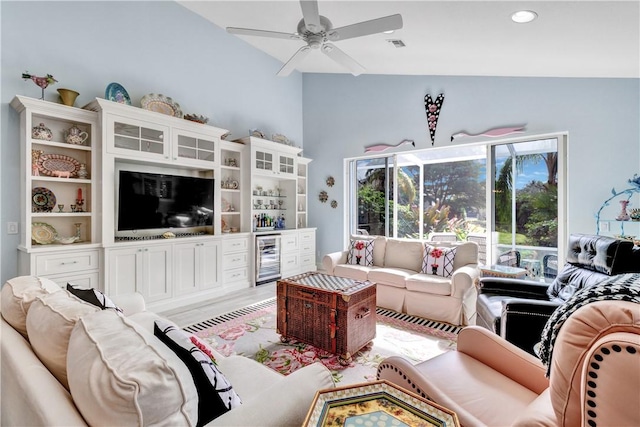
(267, 258)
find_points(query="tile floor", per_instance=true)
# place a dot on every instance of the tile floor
(188, 315)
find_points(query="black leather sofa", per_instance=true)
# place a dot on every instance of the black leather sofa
(517, 310)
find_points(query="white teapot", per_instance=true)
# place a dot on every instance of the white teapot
(75, 135)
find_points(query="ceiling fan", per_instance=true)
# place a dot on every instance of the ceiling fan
(317, 31)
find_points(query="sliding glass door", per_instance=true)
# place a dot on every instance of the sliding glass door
(507, 196)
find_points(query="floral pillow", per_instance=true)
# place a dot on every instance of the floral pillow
(438, 261)
(361, 253)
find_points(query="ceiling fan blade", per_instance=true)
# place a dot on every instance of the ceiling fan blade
(374, 26)
(311, 15)
(293, 61)
(342, 58)
(262, 33)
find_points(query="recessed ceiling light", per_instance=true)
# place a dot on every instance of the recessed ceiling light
(388, 32)
(524, 16)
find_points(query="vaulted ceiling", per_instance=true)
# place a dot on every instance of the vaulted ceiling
(568, 39)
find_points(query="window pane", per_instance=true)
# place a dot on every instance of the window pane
(372, 196)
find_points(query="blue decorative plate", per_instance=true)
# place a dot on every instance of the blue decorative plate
(116, 93)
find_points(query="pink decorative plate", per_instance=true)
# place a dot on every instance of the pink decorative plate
(58, 165)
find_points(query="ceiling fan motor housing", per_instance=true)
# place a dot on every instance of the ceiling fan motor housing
(315, 39)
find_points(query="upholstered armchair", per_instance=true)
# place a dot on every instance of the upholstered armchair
(517, 310)
(594, 374)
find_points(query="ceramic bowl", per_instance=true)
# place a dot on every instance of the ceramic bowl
(66, 240)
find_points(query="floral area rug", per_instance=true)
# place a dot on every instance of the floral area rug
(251, 332)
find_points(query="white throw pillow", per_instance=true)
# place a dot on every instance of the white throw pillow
(121, 375)
(438, 261)
(18, 294)
(50, 321)
(361, 252)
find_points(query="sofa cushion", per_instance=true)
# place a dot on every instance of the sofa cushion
(215, 393)
(50, 321)
(466, 253)
(390, 276)
(18, 294)
(361, 252)
(123, 375)
(405, 254)
(429, 284)
(93, 296)
(438, 260)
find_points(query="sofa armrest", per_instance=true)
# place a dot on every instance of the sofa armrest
(499, 354)
(523, 320)
(463, 279)
(329, 261)
(517, 288)
(130, 303)
(283, 403)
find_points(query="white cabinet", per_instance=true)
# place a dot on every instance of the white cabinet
(194, 148)
(236, 260)
(138, 138)
(307, 239)
(290, 255)
(195, 266)
(272, 159)
(81, 267)
(59, 192)
(144, 269)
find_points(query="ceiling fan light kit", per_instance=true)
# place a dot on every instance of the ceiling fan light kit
(317, 31)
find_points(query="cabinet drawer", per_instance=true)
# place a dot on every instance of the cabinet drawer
(66, 262)
(83, 280)
(308, 236)
(231, 261)
(235, 245)
(307, 259)
(235, 275)
(289, 242)
(308, 246)
(290, 262)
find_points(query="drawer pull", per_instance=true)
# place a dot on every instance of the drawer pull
(306, 294)
(70, 262)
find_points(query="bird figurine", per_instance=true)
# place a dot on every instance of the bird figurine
(382, 147)
(491, 133)
(42, 82)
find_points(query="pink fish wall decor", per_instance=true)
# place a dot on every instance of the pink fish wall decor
(491, 133)
(378, 148)
(433, 113)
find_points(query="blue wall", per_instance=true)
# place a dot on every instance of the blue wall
(161, 47)
(148, 47)
(342, 114)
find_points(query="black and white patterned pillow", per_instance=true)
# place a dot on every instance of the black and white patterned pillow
(438, 261)
(215, 393)
(93, 296)
(361, 253)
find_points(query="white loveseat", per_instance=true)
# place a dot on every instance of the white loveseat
(396, 271)
(66, 362)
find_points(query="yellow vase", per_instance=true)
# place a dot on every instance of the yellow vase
(68, 96)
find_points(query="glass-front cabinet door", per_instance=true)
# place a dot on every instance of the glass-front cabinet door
(137, 138)
(193, 148)
(264, 161)
(287, 164)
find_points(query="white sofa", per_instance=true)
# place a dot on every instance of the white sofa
(396, 271)
(51, 339)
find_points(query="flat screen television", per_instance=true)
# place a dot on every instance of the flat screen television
(150, 201)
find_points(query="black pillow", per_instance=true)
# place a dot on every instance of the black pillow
(215, 393)
(93, 296)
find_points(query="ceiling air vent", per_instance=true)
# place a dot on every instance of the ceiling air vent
(396, 42)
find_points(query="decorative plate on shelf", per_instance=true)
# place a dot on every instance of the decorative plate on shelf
(116, 93)
(58, 165)
(42, 200)
(43, 233)
(196, 118)
(161, 104)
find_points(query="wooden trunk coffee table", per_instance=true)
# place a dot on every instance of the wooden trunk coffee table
(332, 313)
